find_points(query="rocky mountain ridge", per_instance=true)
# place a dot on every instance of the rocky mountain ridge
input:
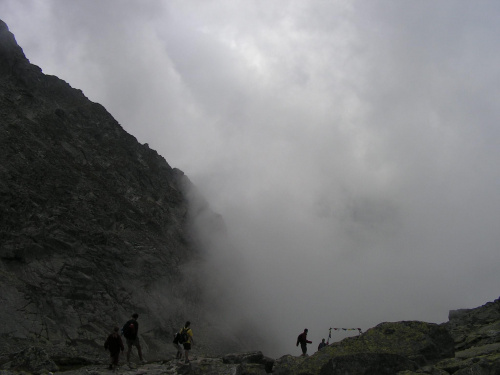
(94, 226)
(469, 343)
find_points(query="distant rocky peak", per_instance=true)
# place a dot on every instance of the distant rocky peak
(12, 56)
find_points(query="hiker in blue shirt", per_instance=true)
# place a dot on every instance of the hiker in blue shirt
(322, 344)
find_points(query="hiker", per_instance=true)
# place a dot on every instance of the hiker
(303, 341)
(177, 345)
(114, 344)
(130, 331)
(322, 344)
(186, 339)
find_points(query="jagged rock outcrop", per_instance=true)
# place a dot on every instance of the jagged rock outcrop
(477, 340)
(469, 343)
(33, 360)
(399, 348)
(93, 227)
(407, 345)
(255, 359)
(36, 361)
(368, 363)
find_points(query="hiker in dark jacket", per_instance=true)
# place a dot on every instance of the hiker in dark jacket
(322, 344)
(131, 333)
(177, 345)
(303, 341)
(114, 344)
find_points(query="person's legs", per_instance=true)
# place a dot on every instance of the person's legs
(134, 342)
(129, 349)
(139, 350)
(187, 347)
(178, 350)
(117, 358)
(114, 359)
(137, 344)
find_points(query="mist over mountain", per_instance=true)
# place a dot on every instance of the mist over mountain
(95, 226)
(351, 147)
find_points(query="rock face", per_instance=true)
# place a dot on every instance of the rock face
(368, 363)
(477, 336)
(388, 347)
(468, 344)
(400, 348)
(93, 225)
(34, 360)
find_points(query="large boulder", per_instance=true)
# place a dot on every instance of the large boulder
(252, 363)
(33, 360)
(250, 357)
(287, 364)
(417, 343)
(475, 327)
(368, 363)
(256, 359)
(420, 341)
(477, 340)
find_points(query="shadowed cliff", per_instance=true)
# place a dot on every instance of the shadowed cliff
(94, 226)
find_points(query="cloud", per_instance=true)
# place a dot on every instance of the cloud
(351, 148)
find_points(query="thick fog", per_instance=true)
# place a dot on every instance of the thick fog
(352, 147)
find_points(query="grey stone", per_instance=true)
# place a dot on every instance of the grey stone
(251, 357)
(94, 225)
(368, 363)
(34, 360)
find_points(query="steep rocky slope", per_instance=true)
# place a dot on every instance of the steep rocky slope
(468, 344)
(93, 225)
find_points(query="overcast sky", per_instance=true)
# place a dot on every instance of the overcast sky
(352, 147)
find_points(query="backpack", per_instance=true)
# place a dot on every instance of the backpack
(183, 335)
(300, 338)
(129, 330)
(177, 337)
